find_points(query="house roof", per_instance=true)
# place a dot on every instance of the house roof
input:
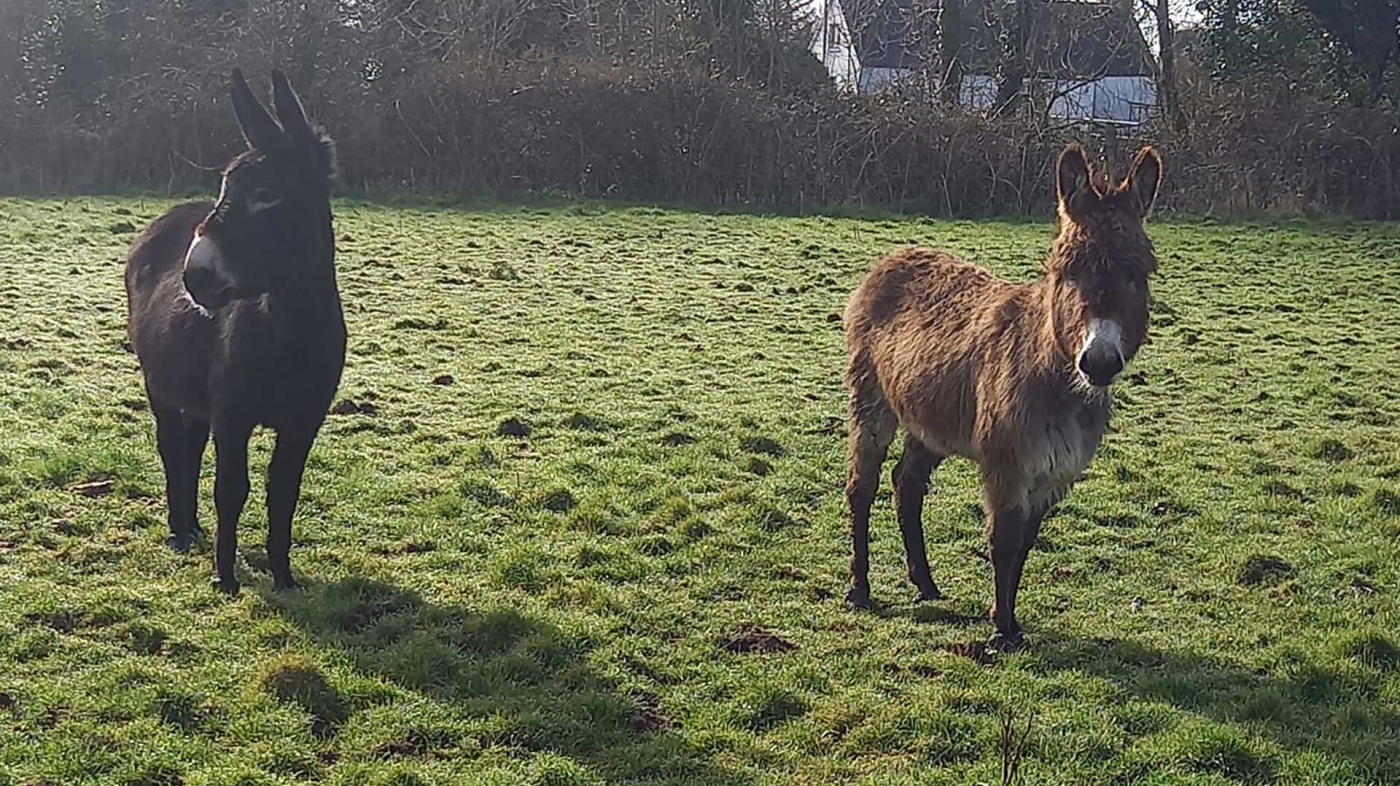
(886, 32)
(1067, 38)
(1080, 39)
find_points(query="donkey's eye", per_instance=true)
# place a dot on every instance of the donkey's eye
(263, 198)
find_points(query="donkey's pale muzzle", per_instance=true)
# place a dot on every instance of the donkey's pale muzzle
(204, 278)
(1101, 358)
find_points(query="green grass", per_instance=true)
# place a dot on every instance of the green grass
(584, 523)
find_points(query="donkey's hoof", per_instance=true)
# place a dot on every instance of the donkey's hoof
(929, 593)
(181, 540)
(1007, 643)
(229, 587)
(859, 599)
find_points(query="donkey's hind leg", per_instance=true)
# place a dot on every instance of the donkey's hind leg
(911, 477)
(181, 440)
(872, 431)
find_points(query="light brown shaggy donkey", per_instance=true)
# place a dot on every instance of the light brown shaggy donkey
(1012, 376)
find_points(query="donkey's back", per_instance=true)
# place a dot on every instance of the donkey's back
(156, 258)
(927, 335)
(173, 337)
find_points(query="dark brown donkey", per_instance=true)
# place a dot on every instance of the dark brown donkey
(235, 316)
(1012, 376)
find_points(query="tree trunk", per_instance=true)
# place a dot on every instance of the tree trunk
(1015, 37)
(1366, 29)
(951, 26)
(1166, 78)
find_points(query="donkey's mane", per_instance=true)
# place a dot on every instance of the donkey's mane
(1072, 253)
(328, 155)
(325, 147)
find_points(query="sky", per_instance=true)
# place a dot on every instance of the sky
(1184, 12)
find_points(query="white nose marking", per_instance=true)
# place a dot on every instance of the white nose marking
(1105, 336)
(1103, 333)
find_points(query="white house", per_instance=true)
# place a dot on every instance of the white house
(832, 42)
(1089, 60)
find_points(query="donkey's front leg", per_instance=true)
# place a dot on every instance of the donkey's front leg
(230, 493)
(283, 490)
(1012, 525)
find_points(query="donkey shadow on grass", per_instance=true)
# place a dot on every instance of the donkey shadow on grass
(501, 678)
(1335, 710)
(1340, 706)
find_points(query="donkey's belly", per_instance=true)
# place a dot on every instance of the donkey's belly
(943, 441)
(280, 398)
(937, 410)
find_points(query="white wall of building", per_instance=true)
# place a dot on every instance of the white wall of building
(1121, 99)
(831, 41)
(1124, 99)
(978, 91)
(875, 78)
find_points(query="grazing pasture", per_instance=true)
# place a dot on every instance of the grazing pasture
(577, 516)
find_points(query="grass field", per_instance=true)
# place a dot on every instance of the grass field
(581, 521)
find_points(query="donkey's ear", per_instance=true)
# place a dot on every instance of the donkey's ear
(259, 129)
(1072, 174)
(289, 109)
(1144, 178)
(306, 138)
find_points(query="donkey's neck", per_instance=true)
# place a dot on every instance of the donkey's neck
(1050, 353)
(311, 302)
(313, 297)
(1071, 247)
(306, 302)
(1055, 367)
